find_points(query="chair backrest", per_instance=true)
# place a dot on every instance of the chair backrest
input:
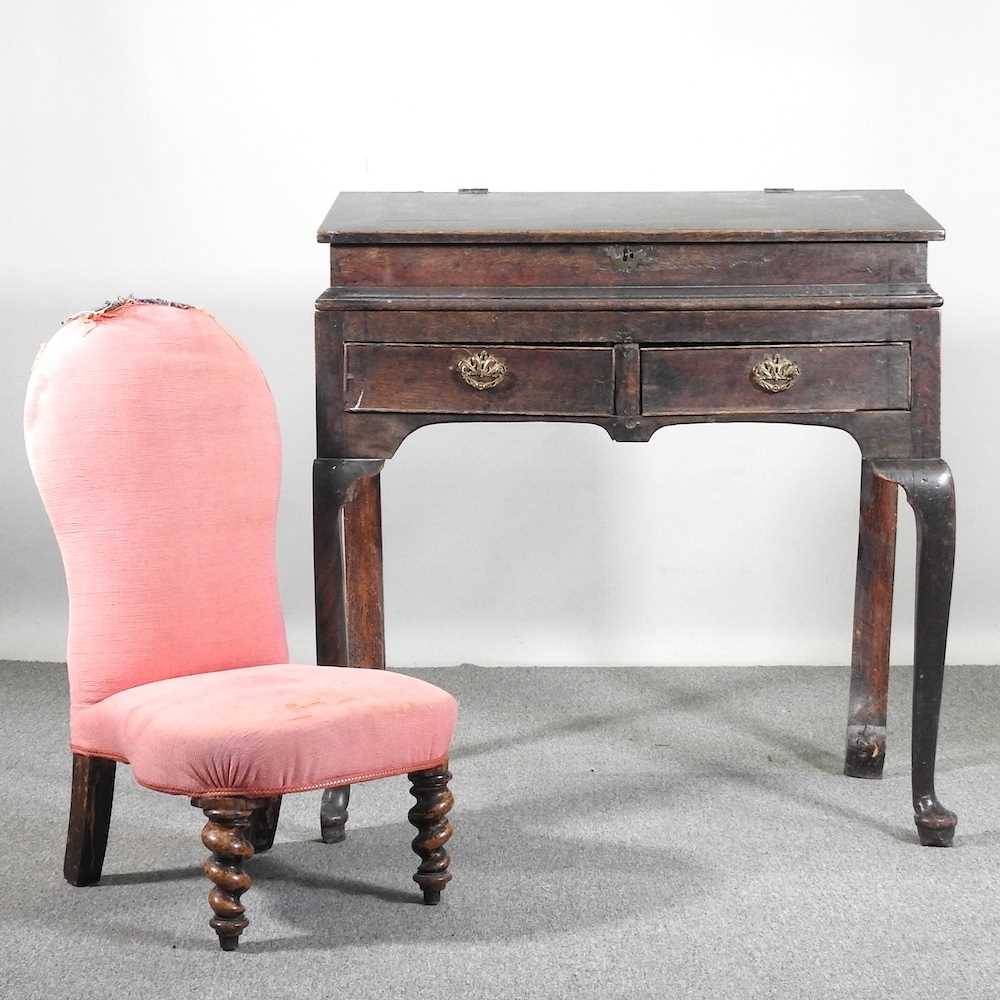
(153, 439)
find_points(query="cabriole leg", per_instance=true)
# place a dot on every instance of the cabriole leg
(90, 804)
(866, 719)
(931, 492)
(430, 817)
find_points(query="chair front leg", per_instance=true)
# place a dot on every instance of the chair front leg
(89, 819)
(430, 816)
(223, 835)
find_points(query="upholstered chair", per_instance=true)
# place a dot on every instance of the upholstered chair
(153, 439)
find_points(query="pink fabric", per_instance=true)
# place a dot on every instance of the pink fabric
(152, 436)
(271, 729)
(154, 442)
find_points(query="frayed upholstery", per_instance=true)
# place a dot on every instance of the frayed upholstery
(154, 443)
(113, 306)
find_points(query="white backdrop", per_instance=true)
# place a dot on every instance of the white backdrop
(189, 150)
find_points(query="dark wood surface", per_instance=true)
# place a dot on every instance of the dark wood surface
(866, 732)
(333, 814)
(912, 429)
(877, 432)
(363, 567)
(430, 816)
(264, 825)
(908, 295)
(572, 326)
(628, 385)
(347, 553)
(239, 827)
(838, 377)
(670, 217)
(637, 312)
(425, 379)
(227, 837)
(930, 490)
(622, 265)
(334, 484)
(91, 799)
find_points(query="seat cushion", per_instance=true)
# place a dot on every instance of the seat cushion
(268, 730)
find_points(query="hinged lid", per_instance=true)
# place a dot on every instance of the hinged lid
(678, 217)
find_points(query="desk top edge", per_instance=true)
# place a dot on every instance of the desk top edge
(887, 215)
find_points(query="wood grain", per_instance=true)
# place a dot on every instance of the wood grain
(680, 294)
(333, 487)
(908, 295)
(90, 805)
(628, 391)
(430, 816)
(425, 379)
(930, 490)
(623, 265)
(576, 326)
(877, 432)
(866, 716)
(371, 217)
(363, 563)
(226, 837)
(833, 378)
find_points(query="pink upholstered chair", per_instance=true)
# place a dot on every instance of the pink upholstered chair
(153, 439)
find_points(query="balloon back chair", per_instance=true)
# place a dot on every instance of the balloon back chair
(153, 440)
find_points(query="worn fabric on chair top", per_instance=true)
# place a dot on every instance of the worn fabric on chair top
(153, 438)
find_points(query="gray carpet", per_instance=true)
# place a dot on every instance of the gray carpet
(664, 833)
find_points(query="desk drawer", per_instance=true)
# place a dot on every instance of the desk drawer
(784, 378)
(424, 378)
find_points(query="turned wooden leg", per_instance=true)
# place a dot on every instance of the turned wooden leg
(347, 565)
(224, 836)
(931, 492)
(866, 718)
(264, 825)
(430, 816)
(89, 819)
(333, 814)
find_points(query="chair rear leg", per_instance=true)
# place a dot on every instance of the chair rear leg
(264, 825)
(89, 819)
(333, 814)
(430, 816)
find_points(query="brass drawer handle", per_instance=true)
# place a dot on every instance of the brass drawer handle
(774, 374)
(482, 370)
